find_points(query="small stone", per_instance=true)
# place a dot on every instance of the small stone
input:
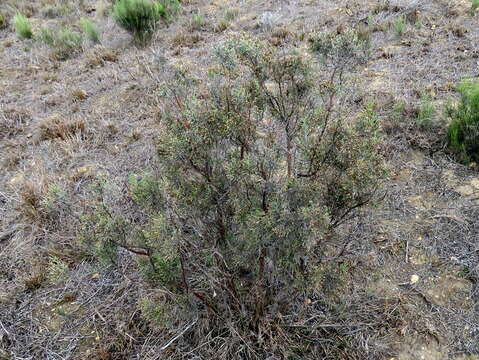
(17, 179)
(465, 190)
(414, 279)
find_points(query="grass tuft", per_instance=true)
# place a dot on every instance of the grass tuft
(3, 21)
(400, 25)
(463, 130)
(90, 31)
(64, 42)
(23, 28)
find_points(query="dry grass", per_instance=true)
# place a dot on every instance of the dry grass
(56, 127)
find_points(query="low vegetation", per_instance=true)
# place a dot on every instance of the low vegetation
(463, 130)
(3, 21)
(256, 171)
(90, 31)
(140, 17)
(23, 28)
(64, 42)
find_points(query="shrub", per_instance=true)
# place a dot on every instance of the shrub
(343, 52)
(90, 31)
(475, 5)
(463, 129)
(138, 17)
(257, 171)
(23, 27)
(257, 167)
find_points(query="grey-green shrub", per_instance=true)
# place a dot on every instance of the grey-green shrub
(90, 31)
(23, 28)
(463, 129)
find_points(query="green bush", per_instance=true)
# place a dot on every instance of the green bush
(23, 27)
(463, 130)
(140, 17)
(90, 31)
(258, 167)
(475, 5)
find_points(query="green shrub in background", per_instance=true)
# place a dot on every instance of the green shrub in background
(426, 112)
(400, 25)
(475, 5)
(23, 28)
(3, 21)
(463, 130)
(139, 17)
(90, 31)
(64, 42)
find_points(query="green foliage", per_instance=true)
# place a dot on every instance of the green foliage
(198, 21)
(145, 190)
(64, 42)
(463, 130)
(343, 52)
(103, 232)
(54, 201)
(57, 270)
(231, 14)
(221, 26)
(426, 113)
(263, 165)
(3, 20)
(152, 241)
(22, 26)
(172, 8)
(475, 5)
(90, 31)
(47, 36)
(257, 167)
(400, 25)
(140, 17)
